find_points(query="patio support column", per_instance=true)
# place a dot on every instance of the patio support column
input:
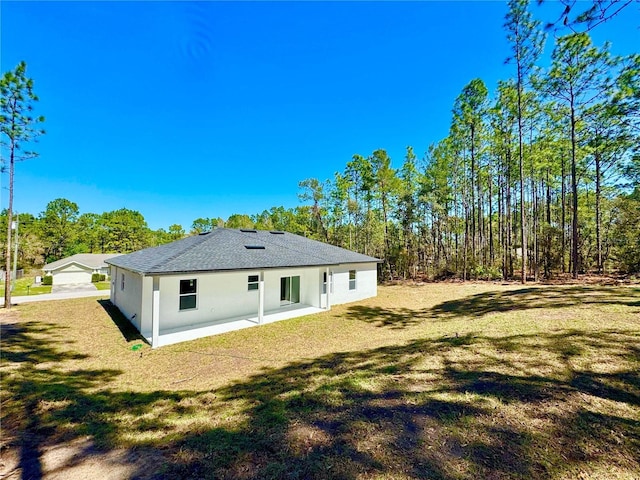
(329, 282)
(155, 313)
(261, 299)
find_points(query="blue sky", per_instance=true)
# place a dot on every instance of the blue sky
(182, 110)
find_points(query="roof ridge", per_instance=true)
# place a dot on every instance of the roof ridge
(289, 247)
(324, 244)
(247, 235)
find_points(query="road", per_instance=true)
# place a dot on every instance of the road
(61, 293)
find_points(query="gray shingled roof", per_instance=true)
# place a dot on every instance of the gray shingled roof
(91, 260)
(226, 249)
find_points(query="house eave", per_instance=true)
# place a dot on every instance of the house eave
(242, 269)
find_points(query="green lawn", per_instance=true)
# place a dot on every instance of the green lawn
(25, 286)
(103, 285)
(447, 381)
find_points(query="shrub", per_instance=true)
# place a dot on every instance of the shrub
(47, 280)
(103, 277)
(95, 277)
(481, 272)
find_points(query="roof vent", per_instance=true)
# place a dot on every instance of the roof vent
(276, 232)
(248, 230)
(254, 247)
(204, 233)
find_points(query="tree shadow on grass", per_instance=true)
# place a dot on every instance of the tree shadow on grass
(25, 347)
(395, 319)
(389, 411)
(46, 403)
(534, 298)
(486, 303)
(449, 408)
(128, 331)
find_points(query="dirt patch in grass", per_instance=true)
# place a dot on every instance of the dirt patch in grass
(425, 381)
(79, 459)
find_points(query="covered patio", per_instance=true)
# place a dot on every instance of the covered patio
(191, 332)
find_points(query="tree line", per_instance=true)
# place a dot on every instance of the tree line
(538, 178)
(61, 230)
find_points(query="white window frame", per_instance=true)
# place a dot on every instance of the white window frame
(354, 280)
(190, 294)
(253, 283)
(122, 282)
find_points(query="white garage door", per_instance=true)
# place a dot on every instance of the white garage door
(71, 276)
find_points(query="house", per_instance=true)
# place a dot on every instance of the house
(229, 279)
(78, 268)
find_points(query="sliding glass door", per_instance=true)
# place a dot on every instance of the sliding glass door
(289, 290)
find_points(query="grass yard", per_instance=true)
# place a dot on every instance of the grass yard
(103, 285)
(25, 286)
(442, 381)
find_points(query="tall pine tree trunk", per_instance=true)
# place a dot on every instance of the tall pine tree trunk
(548, 246)
(491, 252)
(574, 191)
(509, 217)
(7, 278)
(563, 221)
(473, 198)
(536, 245)
(523, 218)
(598, 217)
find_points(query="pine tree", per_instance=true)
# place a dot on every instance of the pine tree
(577, 79)
(18, 128)
(526, 45)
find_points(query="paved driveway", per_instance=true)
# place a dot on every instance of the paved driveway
(73, 288)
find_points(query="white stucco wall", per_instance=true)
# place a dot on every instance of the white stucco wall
(224, 295)
(309, 286)
(146, 307)
(366, 282)
(219, 296)
(129, 300)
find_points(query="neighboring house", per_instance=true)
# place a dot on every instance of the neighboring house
(78, 268)
(228, 279)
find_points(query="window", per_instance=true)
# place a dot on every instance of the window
(324, 282)
(253, 283)
(188, 294)
(289, 290)
(352, 279)
(122, 281)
